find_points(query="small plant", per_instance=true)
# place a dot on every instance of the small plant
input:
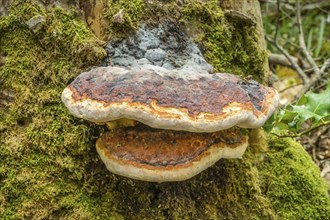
(311, 111)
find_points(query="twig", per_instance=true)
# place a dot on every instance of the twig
(317, 71)
(311, 69)
(321, 85)
(325, 65)
(304, 132)
(301, 73)
(315, 78)
(314, 155)
(280, 59)
(309, 82)
(302, 43)
(277, 20)
(311, 6)
(289, 87)
(319, 5)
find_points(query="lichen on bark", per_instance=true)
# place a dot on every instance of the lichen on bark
(49, 167)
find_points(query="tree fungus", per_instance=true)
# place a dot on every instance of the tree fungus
(168, 125)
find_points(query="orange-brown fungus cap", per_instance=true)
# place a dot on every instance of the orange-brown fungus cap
(157, 155)
(170, 99)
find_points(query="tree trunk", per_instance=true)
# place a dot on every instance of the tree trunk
(250, 9)
(49, 168)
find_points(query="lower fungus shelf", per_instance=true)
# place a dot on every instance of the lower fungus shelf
(158, 155)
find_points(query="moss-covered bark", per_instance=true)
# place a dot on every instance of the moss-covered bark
(48, 164)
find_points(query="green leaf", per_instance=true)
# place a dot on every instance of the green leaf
(304, 113)
(319, 104)
(311, 107)
(282, 126)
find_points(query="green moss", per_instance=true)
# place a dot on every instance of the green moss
(133, 12)
(39, 148)
(230, 43)
(292, 182)
(49, 168)
(26, 10)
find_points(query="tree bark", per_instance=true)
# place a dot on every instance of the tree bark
(49, 168)
(251, 9)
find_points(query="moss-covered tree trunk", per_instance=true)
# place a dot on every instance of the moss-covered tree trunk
(250, 10)
(49, 168)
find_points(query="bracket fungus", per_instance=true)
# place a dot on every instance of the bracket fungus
(159, 155)
(171, 100)
(188, 119)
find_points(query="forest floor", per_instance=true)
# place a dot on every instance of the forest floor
(317, 145)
